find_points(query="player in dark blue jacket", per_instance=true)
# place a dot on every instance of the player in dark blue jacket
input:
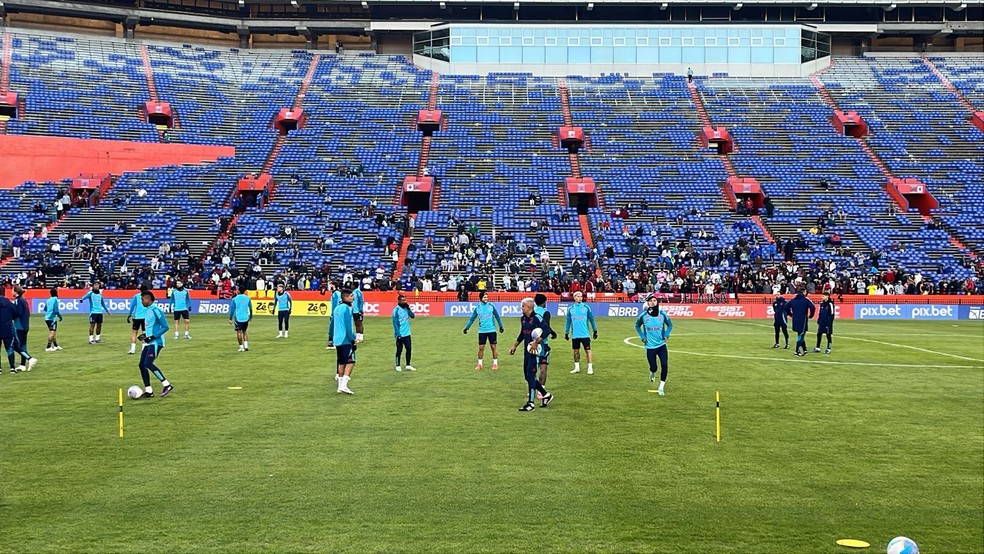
(533, 350)
(780, 315)
(825, 322)
(801, 309)
(8, 336)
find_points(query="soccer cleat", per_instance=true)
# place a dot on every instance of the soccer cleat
(146, 395)
(575, 370)
(495, 367)
(241, 349)
(92, 341)
(776, 345)
(167, 390)
(175, 335)
(20, 369)
(786, 347)
(31, 363)
(528, 407)
(187, 336)
(827, 351)
(346, 390)
(411, 368)
(398, 368)
(58, 348)
(661, 393)
(99, 340)
(652, 376)
(13, 370)
(547, 398)
(478, 367)
(817, 349)
(280, 335)
(49, 349)
(591, 372)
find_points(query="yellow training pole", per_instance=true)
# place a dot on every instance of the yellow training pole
(121, 413)
(717, 415)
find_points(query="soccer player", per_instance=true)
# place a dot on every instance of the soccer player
(402, 314)
(358, 304)
(336, 300)
(654, 328)
(153, 340)
(22, 325)
(779, 316)
(578, 317)
(136, 317)
(52, 315)
(825, 322)
(541, 311)
(801, 309)
(8, 337)
(282, 304)
(487, 317)
(241, 309)
(181, 306)
(528, 322)
(97, 307)
(344, 340)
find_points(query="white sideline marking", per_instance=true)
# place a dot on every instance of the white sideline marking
(628, 341)
(875, 342)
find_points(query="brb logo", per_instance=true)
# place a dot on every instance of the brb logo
(933, 312)
(725, 311)
(880, 311)
(617, 310)
(210, 307)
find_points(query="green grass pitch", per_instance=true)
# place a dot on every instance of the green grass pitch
(883, 437)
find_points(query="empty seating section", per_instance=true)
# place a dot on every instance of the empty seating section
(967, 74)
(77, 87)
(495, 152)
(498, 148)
(643, 148)
(934, 143)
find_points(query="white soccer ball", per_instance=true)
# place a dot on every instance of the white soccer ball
(902, 545)
(134, 391)
(537, 333)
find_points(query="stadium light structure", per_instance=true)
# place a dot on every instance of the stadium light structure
(242, 3)
(738, 6)
(891, 7)
(515, 5)
(812, 6)
(365, 5)
(590, 6)
(664, 6)
(444, 5)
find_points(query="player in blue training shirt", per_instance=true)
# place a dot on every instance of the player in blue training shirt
(153, 340)
(22, 326)
(825, 322)
(533, 349)
(181, 306)
(654, 328)
(336, 300)
(358, 304)
(52, 315)
(579, 316)
(136, 317)
(282, 304)
(540, 308)
(240, 314)
(488, 321)
(97, 307)
(801, 309)
(8, 337)
(343, 338)
(402, 314)
(779, 316)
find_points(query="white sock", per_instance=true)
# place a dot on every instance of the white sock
(149, 389)
(280, 333)
(577, 366)
(91, 338)
(286, 333)
(398, 368)
(358, 336)
(187, 334)
(166, 383)
(480, 361)
(176, 334)
(245, 344)
(661, 383)
(345, 381)
(133, 346)
(495, 361)
(98, 337)
(590, 366)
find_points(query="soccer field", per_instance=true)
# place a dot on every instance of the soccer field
(883, 437)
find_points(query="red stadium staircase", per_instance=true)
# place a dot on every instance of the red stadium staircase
(949, 86)
(565, 107)
(149, 73)
(705, 120)
(8, 45)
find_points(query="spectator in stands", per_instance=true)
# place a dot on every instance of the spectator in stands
(690, 75)
(824, 183)
(339, 47)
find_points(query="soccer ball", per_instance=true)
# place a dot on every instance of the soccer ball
(902, 545)
(134, 391)
(535, 349)
(536, 333)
